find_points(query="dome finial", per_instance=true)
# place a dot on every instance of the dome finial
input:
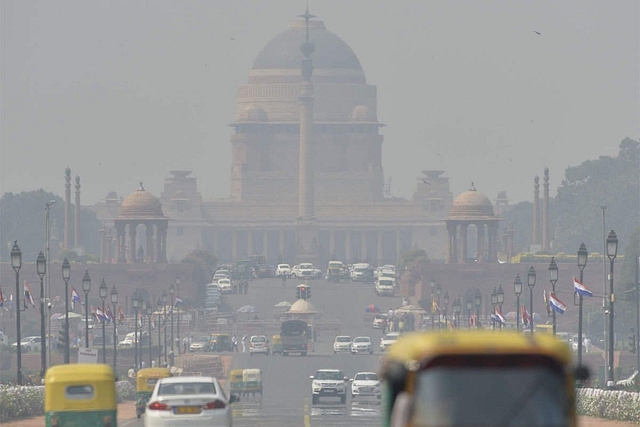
(307, 48)
(473, 187)
(141, 188)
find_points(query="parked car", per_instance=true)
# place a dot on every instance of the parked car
(29, 344)
(224, 285)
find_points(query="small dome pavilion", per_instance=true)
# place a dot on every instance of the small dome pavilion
(472, 208)
(141, 208)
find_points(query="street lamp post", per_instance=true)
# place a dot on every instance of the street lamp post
(66, 274)
(47, 249)
(178, 323)
(41, 267)
(86, 287)
(494, 303)
(582, 263)
(432, 282)
(500, 300)
(517, 288)
(172, 291)
(446, 306)
(159, 305)
(148, 313)
(16, 264)
(478, 301)
(136, 304)
(114, 301)
(143, 317)
(531, 282)
(438, 292)
(612, 251)
(103, 296)
(457, 308)
(469, 307)
(553, 278)
(164, 315)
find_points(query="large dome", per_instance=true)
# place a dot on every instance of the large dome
(471, 204)
(283, 53)
(141, 204)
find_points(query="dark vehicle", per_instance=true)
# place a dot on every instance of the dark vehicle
(294, 337)
(265, 271)
(220, 342)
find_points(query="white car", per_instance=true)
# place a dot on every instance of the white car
(342, 343)
(28, 344)
(258, 344)
(385, 286)
(388, 339)
(224, 285)
(302, 271)
(192, 401)
(379, 320)
(366, 384)
(283, 270)
(328, 383)
(199, 344)
(361, 345)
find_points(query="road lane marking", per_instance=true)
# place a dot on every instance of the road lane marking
(307, 419)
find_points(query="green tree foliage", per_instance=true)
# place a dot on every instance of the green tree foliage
(22, 218)
(613, 182)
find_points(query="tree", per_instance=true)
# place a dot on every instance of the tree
(205, 264)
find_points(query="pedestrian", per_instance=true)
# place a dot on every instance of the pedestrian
(143, 364)
(587, 344)
(153, 363)
(185, 344)
(234, 341)
(244, 343)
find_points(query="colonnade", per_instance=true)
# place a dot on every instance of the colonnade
(458, 237)
(123, 247)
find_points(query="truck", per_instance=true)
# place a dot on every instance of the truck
(335, 271)
(294, 335)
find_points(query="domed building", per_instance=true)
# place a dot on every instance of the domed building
(472, 208)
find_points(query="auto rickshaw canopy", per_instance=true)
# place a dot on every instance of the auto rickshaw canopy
(147, 378)
(79, 387)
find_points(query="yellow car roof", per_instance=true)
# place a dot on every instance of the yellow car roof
(425, 345)
(79, 372)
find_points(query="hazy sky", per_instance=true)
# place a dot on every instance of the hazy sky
(125, 91)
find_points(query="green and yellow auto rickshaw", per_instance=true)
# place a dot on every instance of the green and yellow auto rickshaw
(80, 395)
(146, 380)
(276, 344)
(252, 379)
(236, 383)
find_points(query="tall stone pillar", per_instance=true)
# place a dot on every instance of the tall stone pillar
(215, 242)
(120, 241)
(265, 244)
(380, 254)
(103, 242)
(234, 246)
(536, 210)
(76, 224)
(67, 208)
(493, 241)
(163, 236)
(281, 242)
(149, 229)
(398, 245)
(250, 248)
(363, 246)
(133, 251)
(464, 227)
(347, 245)
(545, 211)
(481, 244)
(332, 243)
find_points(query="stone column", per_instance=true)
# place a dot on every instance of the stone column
(463, 242)
(67, 208)
(363, 246)
(379, 249)
(159, 243)
(133, 253)
(281, 238)
(234, 246)
(305, 172)
(110, 247)
(398, 245)
(102, 244)
(332, 243)
(545, 211)
(481, 244)
(76, 224)
(265, 245)
(120, 241)
(214, 237)
(250, 248)
(536, 210)
(347, 248)
(493, 241)
(164, 244)
(149, 229)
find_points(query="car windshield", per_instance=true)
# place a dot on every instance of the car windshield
(201, 339)
(456, 396)
(362, 339)
(366, 377)
(186, 388)
(390, 337)
(306, 266)
(284, 266)
(258, 339)
(329, 375)
(386, 283)
(343, 339)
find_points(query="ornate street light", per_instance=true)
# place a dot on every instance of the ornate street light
(103, 296)
(477, 299)
(114, 301)
(66, 275)
(531, 282)
(172, 291)
(446, 307)
(469, 307)
(159, 305)
(494, 303)
(517, 288)
(41, 267)
(500, 300)
(457, 308)
(612, 252)
(164, 315)
(86, 287)
(16, 264)
(136, 338)
(149, 309)
(582, 263)
(178, 322)
(553, 278)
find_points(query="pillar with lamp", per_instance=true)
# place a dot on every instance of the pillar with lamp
(164, 315)
(432, 282)
(500, 302)
(159, 312)
(494, 303)
(517, 288)
(477, 299)
(438, 292)
(531, 282)
(103, 295)
(553, 278)
(149, 312)
(172, 291)
(114, 302)
(143, 319)
(612, 252)
(457, 308)
(86, 287)
(178, 307)
(469, 307)
(582, 263)
(41, 267)
(66, 275)
(136, 305)
(446, 306)
(16, 264)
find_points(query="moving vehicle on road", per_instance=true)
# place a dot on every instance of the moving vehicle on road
(385, 286)
(252, 379)
(341, 343)
(328, 383)
(361, 345)
(379, 320)
(258, 344)
(219, 342)
(302, 271)
(441, 379)
(294, 337)
(336, 271)
(28, 344)
(388, 339)
(146, 380)
(276, 344)
(224, 285)
(190, 401)
(200, 344)
(283, 270)
(366, 384)
(80, 395)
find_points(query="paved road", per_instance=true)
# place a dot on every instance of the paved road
(287, 397)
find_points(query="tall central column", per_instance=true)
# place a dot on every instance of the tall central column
(305, 173)
(67, 208)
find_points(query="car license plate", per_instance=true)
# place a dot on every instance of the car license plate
(330, 390)
(188, 410)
